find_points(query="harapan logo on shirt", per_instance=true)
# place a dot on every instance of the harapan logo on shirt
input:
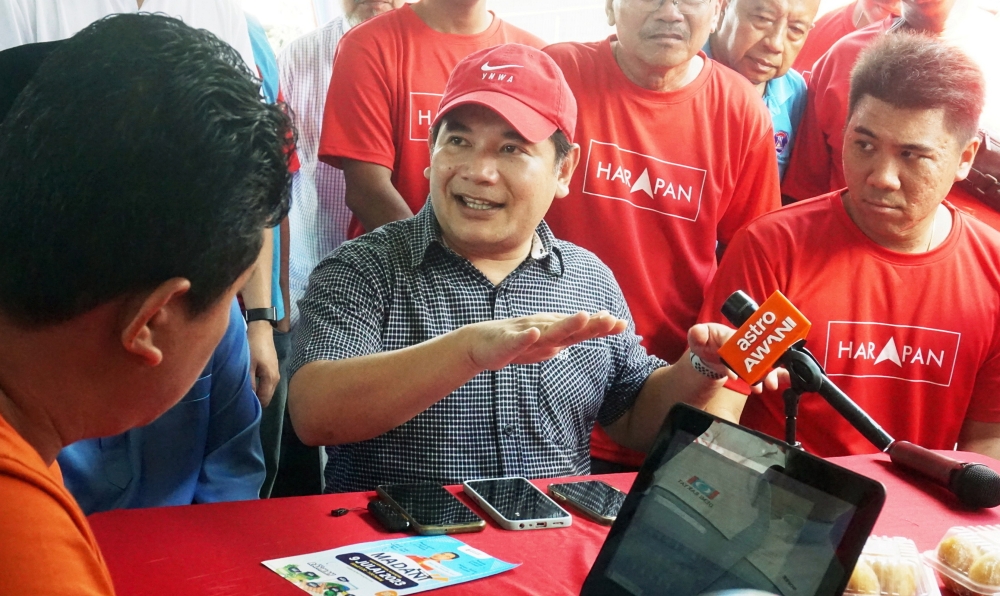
(643, 181)
(907, 353)
(423, 108)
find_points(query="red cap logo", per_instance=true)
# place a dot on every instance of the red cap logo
(521, 84)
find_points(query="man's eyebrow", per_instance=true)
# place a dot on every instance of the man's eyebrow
(861, 130)
(918, 147)
(513, 135)
(456, 126)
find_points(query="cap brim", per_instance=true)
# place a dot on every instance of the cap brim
(531, 125)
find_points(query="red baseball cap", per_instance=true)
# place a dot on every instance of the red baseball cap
(524, 85)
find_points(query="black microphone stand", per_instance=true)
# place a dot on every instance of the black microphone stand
(807, 376)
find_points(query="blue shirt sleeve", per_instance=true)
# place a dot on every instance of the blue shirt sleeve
(267, 67)
(233, 467)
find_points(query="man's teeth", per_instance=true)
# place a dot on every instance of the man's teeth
(474, 204)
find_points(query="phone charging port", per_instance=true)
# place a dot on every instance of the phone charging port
(542, 524)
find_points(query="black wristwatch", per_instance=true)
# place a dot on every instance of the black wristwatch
(269, 314)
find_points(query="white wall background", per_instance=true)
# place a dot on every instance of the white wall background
(552, 20)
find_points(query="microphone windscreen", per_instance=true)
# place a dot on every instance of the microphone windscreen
(976, 485)
(738, 308)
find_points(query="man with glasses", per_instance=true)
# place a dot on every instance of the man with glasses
(677, 154)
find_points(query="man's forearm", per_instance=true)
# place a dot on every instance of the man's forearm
(371, 196)
(257, 291)
(343, 401)
(664, 388)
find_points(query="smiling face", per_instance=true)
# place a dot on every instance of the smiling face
(761, 38)
(490, 188)
(899, 165)
(655, 34)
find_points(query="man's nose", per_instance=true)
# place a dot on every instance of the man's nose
(481, 168)
(884, 173)
(774, 40)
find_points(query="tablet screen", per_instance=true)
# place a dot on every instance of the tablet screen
(718, 507)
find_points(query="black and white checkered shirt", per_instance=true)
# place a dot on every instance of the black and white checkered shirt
(400, 285)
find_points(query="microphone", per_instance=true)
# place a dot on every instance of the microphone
(975, 485)
(774, 334)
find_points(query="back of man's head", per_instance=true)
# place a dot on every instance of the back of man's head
(915, 71)
(139, 152)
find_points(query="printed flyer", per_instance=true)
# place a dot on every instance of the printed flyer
(388, 567)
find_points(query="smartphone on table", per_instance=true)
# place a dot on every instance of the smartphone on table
(595, 499)
(430, 508)
(517, 504)
(388, 516)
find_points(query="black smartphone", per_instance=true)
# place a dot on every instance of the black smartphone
(596, 499)
(387, 516)
(430, 508)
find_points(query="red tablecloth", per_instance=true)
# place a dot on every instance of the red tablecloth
(216, 550)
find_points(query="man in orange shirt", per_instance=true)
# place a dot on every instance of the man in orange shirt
(676, 159)
(138, 170)
(388, 78)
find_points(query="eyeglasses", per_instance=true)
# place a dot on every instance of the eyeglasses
(682, 6)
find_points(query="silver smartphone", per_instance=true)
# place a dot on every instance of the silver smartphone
(517, 504)
(596, 499)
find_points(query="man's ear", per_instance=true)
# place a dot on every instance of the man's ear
(161, 307)
(968, 156)
(564, 172)
(720, 10)
(609, 9)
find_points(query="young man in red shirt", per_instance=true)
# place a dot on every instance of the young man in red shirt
(388, 77)
(677, 154)
(902, 289)
(816, 164)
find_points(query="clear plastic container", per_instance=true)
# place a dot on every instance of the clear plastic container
(968, 560)
(891, 566)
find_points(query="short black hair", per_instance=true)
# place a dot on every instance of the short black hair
(558, 138)
(139, 151)
(915, 71)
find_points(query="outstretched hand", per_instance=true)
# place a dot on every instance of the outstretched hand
(705, 339)
(534, 338)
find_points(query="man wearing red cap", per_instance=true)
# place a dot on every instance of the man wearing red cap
(674, 161)
(457, 344)
(386, 84)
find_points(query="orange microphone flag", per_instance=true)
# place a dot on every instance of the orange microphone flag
(764, 337)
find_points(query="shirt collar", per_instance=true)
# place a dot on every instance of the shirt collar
(779, 90)
(428, 234)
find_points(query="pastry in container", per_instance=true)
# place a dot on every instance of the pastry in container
(968, 560)
(891, 566)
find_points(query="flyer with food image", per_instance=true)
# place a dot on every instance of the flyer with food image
(388, 567)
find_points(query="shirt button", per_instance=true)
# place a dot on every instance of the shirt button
(509, 430)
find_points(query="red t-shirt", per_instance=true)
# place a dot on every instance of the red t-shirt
(816, 167)
(662, 178)
(914, 339)
(389, 74)
(827, 30)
